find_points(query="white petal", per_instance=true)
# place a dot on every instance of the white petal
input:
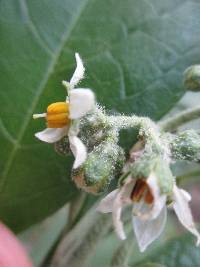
(149, 230)
(52, 135)
(142, 210)
(78, 73)
(81, 101)
(106, 204)
(126, 189)
(122, 199)
(159, 200)
(186, 195)
(117, 222)
(79, 151)
(183, 212)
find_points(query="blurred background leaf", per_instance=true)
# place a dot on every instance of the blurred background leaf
(179, 251)
(40, 238)
(135, 52)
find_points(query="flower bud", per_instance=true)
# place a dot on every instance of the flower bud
(102, 165)
(192, 78)
(186, 146)
(93, 130)
(62, 147)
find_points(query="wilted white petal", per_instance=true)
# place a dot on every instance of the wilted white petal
(79, 151)
(186, 195)
(147, 231)
(159, 200)
(117, 210)
(183, 212)
(81, 101)
(122, 198)
(106, 204)
(126, 189)
(52, 135)
(78, 73)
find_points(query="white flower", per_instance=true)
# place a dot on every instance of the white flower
(62, 117)
(149, 209)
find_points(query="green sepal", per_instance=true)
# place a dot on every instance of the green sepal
(147, 165)
(164, 176)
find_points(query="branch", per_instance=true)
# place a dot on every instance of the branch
(180, 119)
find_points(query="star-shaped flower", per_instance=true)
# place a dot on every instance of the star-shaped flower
(62, 117)
(149, 209)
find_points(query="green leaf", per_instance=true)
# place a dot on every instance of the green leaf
(180, 251)
(134, 52)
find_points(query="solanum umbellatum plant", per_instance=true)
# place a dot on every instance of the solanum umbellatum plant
(145, 179)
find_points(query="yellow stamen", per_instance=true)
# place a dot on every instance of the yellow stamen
(58, 115)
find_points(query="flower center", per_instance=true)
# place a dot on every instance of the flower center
(57, 115)
(141, 190)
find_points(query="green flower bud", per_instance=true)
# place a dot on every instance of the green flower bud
(102, 165)
(62, 147)
(93, 129)
(186, 146)
(192, 78)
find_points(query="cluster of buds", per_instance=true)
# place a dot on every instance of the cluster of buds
(146, 181)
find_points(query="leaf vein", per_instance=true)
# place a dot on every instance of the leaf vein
(6, 134)
(34, 29)
(39, 90)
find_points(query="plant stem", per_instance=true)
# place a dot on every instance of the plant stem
(74, 208)
(180, 119)
(146, 127)
(78, 245)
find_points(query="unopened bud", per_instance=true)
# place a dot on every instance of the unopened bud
(186, 146)
(192, 78)
(62, 147)
(93, 130)
(102, 165)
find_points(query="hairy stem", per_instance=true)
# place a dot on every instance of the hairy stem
(146, 127)
(180, 119)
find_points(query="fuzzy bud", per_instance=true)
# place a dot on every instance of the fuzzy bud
(186, 146)
(102, 165)
(93, 129)
(192, 78)
(62, 147)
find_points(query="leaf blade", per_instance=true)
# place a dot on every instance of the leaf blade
(134, 59)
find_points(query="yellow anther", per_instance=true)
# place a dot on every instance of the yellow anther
(58, 107)
(58, 115)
